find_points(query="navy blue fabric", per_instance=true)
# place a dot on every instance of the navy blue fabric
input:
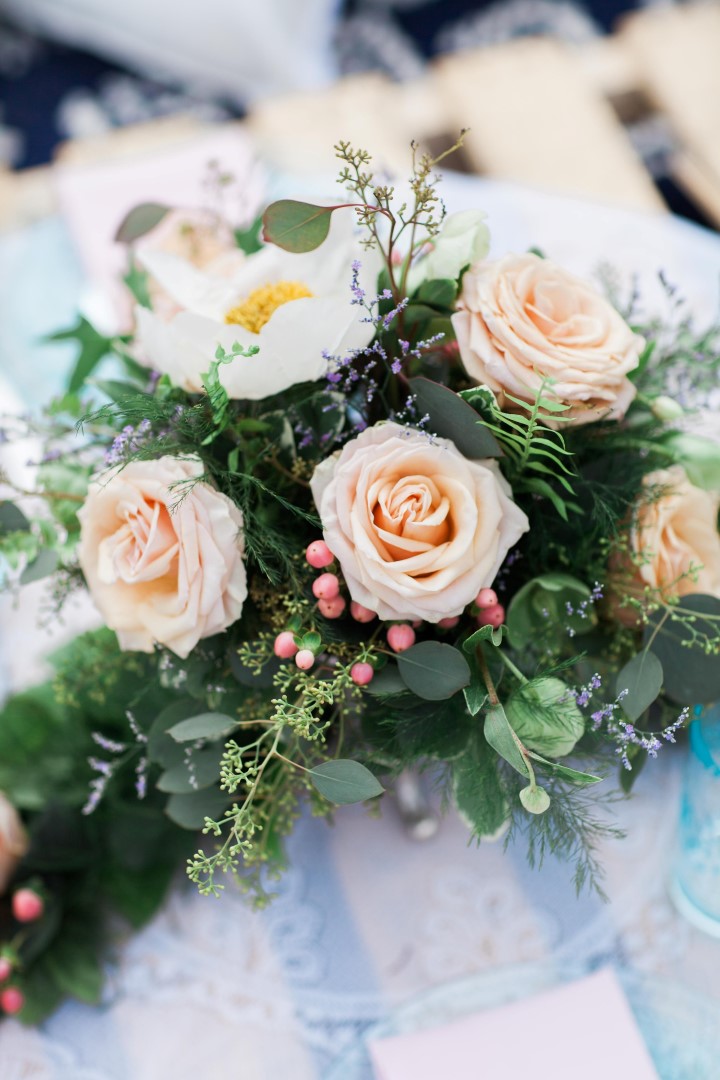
(40, 81)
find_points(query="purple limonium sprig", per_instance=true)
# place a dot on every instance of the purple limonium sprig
(627, 735)
(104, 769)
(109, 745)
(358, 372)
(127, 442)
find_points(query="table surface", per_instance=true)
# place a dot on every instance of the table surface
(366, 919)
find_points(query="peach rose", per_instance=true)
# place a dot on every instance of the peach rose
(13, 841)
(674, 539)
(523, 319)
(417, 528)
(163, 563)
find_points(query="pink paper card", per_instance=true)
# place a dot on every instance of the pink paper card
(94, 198)
(582, 1029)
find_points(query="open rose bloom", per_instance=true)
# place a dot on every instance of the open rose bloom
(417, 529)
(163, 558)
(523, 320)
(294, 307)
(674, 539)
(14, 841)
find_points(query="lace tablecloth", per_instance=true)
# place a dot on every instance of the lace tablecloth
(366, 919)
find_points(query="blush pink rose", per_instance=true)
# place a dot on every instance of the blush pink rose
(417, 529)
(163, 559)
(13, 841)
(523, 319)
(674, 539)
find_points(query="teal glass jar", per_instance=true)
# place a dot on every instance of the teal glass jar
(695, 885)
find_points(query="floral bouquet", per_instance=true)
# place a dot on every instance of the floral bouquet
(361, 501)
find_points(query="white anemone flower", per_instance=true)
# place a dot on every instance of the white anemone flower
(293, 307)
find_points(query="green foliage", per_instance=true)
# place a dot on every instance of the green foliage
(248, 240)
(296, 226)
(538, 460)
(12, 519)
(546, 602)
(545, 717)
(639, 683)
(216, 392)
(92, 348)
(205, 726)
(451, 417)
(433, 670)
(478, 790)
(344, 781)
(685, 638)
(500, 735)
(139, 221)
(136, 280)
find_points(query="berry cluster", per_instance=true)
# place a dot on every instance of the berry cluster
(27, 907)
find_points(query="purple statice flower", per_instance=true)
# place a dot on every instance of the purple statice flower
(141, 777)
(109, 745)
(104, 769)
(127, 442)
(140, 736)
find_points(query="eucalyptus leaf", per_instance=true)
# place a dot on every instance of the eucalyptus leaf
(452, 418)
(162, 749)
(691, 675)
(433, 670)
(208, 725)
(296, 226)
(386, 682)
(345, 781)
(564, 772)
(500, 736)
(43, 565)
(640, 682)
(535, 799)
(200, 769)
(12, 519)
(475, 692)
(140, 220)
(189, 811)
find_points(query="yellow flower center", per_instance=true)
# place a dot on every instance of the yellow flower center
(257, 308)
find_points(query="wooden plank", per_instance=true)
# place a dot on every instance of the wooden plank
(536, 118)
(676, 54)
(297, 133)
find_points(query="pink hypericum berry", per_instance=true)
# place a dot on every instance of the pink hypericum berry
(360, 613)
(449, 623)
(400, 637)
(486, 598)
(326, 586)
(5, 968)
(361, 674)
(305, 659)
(333, 608)
(318, 554)
(27, 906)
(492, 616)
(285, 646)
(12, 1000)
